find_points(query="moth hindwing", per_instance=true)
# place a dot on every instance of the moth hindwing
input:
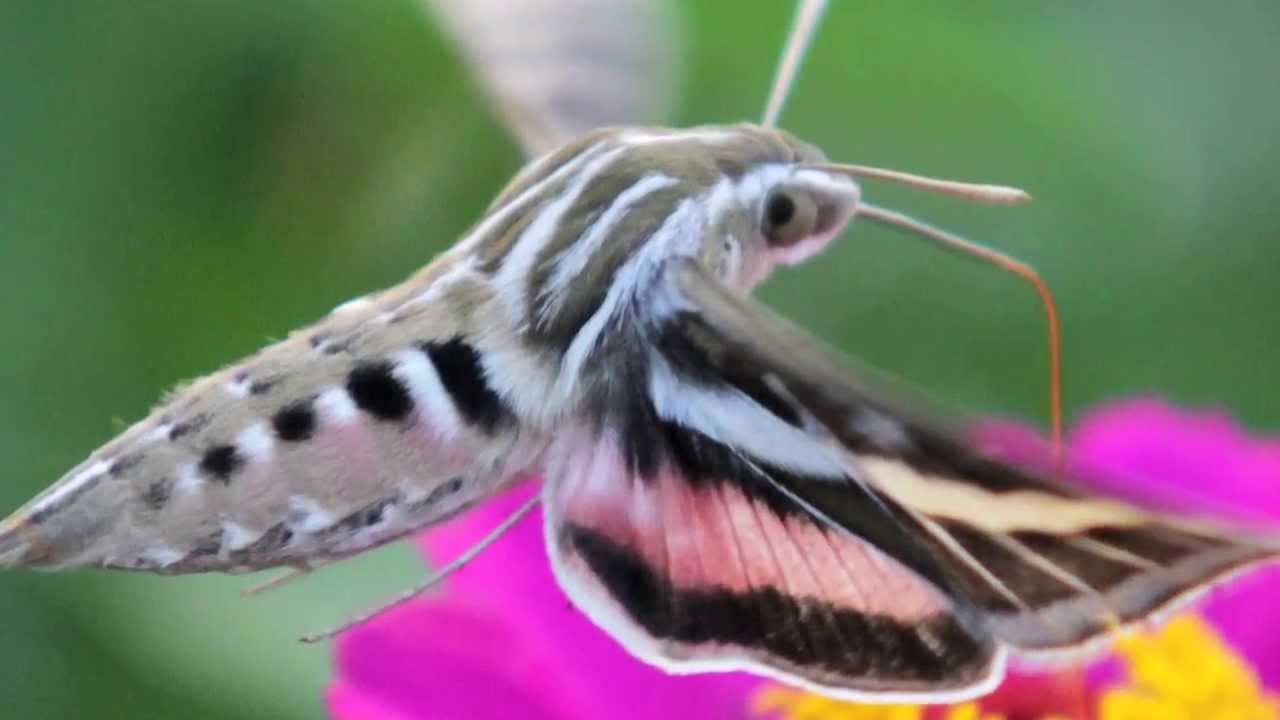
(719, 493)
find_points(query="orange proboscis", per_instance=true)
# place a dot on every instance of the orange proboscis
(1028, 273)
(1016, 267)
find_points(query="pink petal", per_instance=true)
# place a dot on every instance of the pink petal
(1201, 462)
(444, 661)
(504, 630)
(1244, 611)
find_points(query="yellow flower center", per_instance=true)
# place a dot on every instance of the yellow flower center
(1186, 671)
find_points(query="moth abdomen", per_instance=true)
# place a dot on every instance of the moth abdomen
(296, 455)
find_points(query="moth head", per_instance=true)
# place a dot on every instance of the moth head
(777, 200)
(765, 197)
(802, 211)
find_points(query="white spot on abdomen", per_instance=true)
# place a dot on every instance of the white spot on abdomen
(416, 371)
(158, 433)
(162, 555)
(335, 406)
(238, 537)
(188, 479)
(239, 387)
(352, 306)
(255, 443)
(307, 515)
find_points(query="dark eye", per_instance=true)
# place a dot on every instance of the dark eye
(789, 217)
(781, 209)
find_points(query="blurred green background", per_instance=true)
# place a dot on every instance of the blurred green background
(180, 182)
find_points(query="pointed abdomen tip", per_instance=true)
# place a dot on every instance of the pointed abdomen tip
(13, 543)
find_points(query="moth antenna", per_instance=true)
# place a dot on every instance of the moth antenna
(975, 192)
(956, 243)
(803, 28)
(438, 577)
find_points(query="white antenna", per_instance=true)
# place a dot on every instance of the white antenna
(808, 14)
(975, 192)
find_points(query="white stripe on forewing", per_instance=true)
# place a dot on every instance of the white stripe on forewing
(1111, 552)
(1046, 566)
(948, 540)
(572, 262)
(989, 511)
(512, 280)
(736, 420)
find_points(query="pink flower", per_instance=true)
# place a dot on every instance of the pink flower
(504, 642)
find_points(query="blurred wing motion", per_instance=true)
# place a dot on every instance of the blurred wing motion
(558, 69)
(761, 510)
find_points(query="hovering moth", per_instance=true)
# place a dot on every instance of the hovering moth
(719, 491)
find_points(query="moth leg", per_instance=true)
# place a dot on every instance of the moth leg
(293, 573)
(436, 578)
(304, 567)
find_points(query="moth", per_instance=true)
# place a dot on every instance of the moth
(719, 491)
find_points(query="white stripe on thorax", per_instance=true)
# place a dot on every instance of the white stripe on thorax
(642, 137)
(526, 197)
(574, 260)
(677, 236)
(512, 280)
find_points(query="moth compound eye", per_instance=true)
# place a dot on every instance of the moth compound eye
(781, 209)
(789, 217)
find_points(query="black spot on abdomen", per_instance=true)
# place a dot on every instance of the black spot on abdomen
(262, 387)
(193, 424)
(378, 392)
(458, 365)
(220, 463)
(156, 496)
(124, 464)
(295, 422)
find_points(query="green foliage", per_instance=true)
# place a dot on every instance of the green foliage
(182, 182)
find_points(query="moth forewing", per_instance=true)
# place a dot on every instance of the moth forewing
(888, 561)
